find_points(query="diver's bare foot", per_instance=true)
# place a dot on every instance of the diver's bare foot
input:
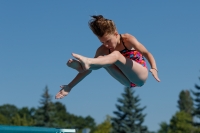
(83, 60)
(75, 64)
(65, 89)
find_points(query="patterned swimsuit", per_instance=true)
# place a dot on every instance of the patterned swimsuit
(133, 55)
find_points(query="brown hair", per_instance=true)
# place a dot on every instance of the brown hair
(100, 25)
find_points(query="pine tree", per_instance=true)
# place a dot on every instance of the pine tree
(45, 114)
(129, 117)
(185, 102)
(196, 100)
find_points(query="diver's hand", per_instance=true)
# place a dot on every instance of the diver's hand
(65, 89)
(155, 74)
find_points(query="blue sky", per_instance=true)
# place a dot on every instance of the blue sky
(38, 37)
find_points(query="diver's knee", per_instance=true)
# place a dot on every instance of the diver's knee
(116, 54)
(140, 83)
(100, 56)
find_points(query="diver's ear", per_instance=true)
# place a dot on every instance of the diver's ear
(116, 33)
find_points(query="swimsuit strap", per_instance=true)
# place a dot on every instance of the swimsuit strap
(122, 41)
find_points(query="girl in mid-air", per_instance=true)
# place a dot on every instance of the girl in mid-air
(122, 55)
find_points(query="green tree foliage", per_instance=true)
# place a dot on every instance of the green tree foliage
(21, 121)
(45, 114)
(164, 127)
(48, 114)
(196, 99)
(67, 120)
(61, 115)
(4, 120)
(185, 102)
(104, 127)
(79, 122)
(11, 115)
(27, 116)
(8, 111)
(90, 122)
(26, 111)
(51, 114)
(181, 123)
(129, 117)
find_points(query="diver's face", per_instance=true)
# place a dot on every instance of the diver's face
(109, 40)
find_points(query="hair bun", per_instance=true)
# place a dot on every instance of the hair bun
(98, 17)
